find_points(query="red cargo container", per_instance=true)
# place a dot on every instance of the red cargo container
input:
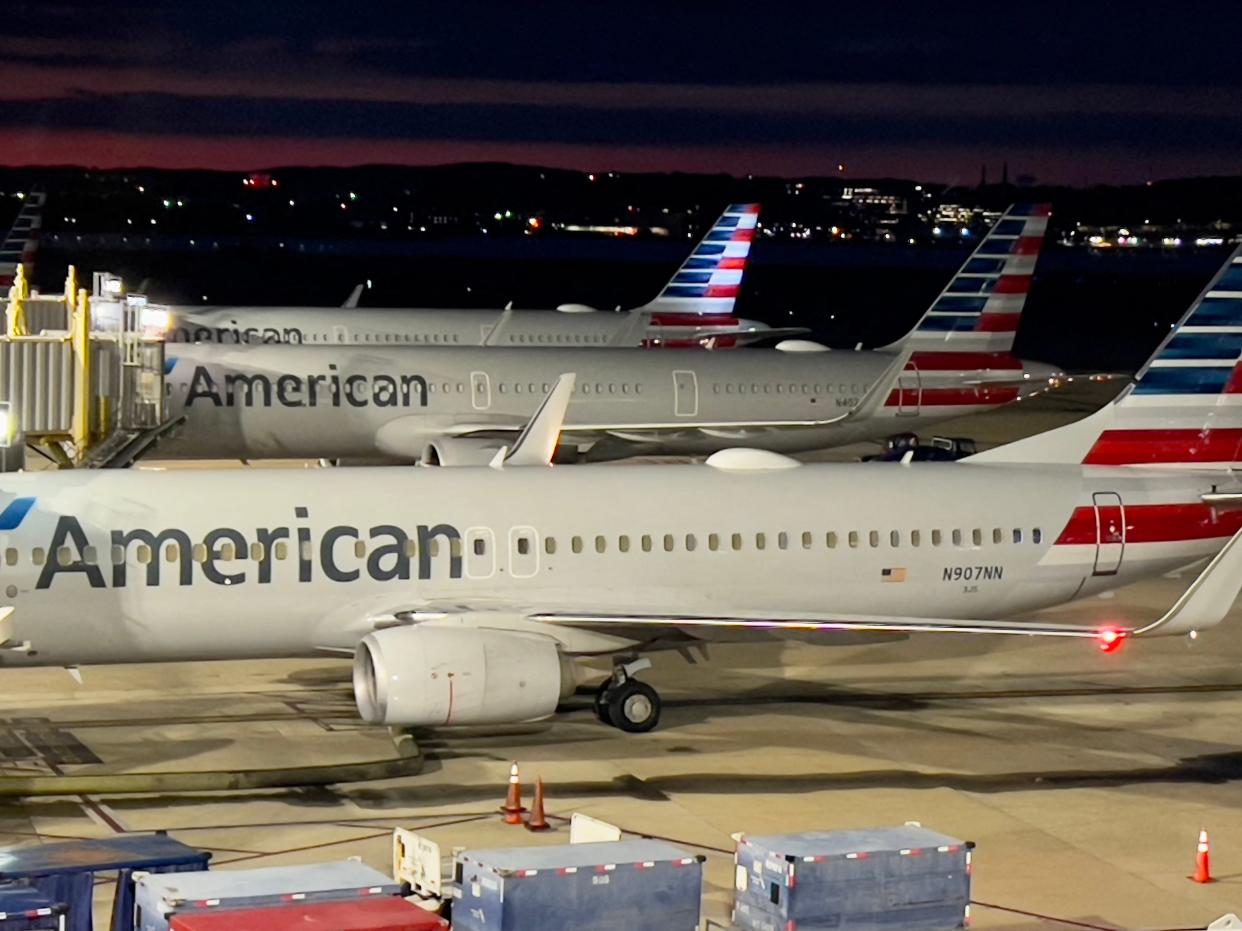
(386, 914)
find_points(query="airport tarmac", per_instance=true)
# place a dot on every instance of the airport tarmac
(1083, 777)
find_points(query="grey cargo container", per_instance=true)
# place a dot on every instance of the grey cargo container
(636, 885)
(880, 879)
(159, 896)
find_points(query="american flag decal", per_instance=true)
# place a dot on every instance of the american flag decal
(893, 575)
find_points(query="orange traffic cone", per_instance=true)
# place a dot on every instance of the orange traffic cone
(512, 808)
(1203, 868)
(537, 821)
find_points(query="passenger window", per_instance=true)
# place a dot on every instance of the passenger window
(782, 540)
(523, 546)
(90, 555)
(227, 551)
(281, 549)
(713, 541)
(433, 549)
(1037, 535)
(455, 549)
(118, 555)
(761, 541)
(1017, 534)
(601, 544)
(976, 537)
(957, 538)
(623, 543)
(411, 549)
(549, 545)
(256, 552)
(480, 547)
(668, 543)
(894, 538)
(360, 548)
(916, 537)
(874, 538)
(691, 543)
(737, 541)
(998, 536)
(575, 544)
(808, 539)
(10, 556)
(831, 539)
(853, 538)
(646, 543)
(937, 538)
(64, 555)
(144, 555)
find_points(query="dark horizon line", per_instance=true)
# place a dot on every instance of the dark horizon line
(838, 178)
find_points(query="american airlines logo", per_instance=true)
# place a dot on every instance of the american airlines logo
(228, 556)
(190, 333)
(294, 390)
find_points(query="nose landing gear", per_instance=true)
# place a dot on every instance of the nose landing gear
(625, 703)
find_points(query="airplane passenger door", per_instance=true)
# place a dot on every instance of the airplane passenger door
(1110, 532)
(686, 393)
(480, 391)
(523, 552)
(909, 391)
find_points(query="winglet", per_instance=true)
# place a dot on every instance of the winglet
(1209, 598)
(354, 297)
(538, 440)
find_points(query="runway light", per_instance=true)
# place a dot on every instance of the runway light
(1110, 639)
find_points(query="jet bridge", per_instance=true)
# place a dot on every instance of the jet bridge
(81, 375)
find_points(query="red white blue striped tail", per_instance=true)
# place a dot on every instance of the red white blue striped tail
(709, 280)
(960, 352)
(22, 241)
(979, 310)
(1184, 407)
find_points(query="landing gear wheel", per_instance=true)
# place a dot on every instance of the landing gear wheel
(601, 702)
(633, 706)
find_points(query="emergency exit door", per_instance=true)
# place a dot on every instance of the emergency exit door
(480, 391)
(1110, 532)
(686, 393)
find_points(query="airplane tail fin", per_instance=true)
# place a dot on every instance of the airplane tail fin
(22, 242)
(709, 279)
(1182, 410)
(958, 359)
(979, 310)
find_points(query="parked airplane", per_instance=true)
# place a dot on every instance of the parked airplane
(695, 309)
(465, 594)
(457, 405)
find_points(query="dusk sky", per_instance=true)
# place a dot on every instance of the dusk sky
(1074, 93)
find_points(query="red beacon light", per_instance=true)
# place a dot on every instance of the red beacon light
(1110, 639)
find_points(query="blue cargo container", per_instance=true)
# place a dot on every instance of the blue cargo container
(637, 885)
(25, 908)
(66, 871)
(881, 879)
(161, 897)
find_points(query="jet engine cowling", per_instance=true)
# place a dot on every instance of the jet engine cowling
(426, 675)
(460, 451)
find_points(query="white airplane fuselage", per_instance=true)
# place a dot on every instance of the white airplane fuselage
(125, 566)
(390, 402)
(427, 326)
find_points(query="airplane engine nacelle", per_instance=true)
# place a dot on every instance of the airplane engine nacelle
(455, 451)
(434, 676)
